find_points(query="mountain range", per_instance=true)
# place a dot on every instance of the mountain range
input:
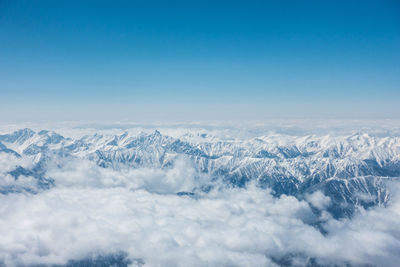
(352, 170)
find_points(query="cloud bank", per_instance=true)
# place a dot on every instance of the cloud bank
(96, 211)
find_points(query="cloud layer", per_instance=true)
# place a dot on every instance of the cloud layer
(96, 211)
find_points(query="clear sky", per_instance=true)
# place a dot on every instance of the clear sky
(199, 60)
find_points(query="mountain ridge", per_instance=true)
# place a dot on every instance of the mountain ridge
(342, 167)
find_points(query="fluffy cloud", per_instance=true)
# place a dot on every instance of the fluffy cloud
(237, 227)
(9, 161)
(318, 200)
(97, 211)
(182, 177)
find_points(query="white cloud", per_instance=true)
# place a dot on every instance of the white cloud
(8, 162)
(229, 227)
(318, 200)
(27, 182)
(181, 177)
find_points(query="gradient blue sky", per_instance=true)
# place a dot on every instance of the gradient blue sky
(199, 60)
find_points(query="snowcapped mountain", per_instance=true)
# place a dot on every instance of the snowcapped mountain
(351, 169)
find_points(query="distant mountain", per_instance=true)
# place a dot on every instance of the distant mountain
(352, 170)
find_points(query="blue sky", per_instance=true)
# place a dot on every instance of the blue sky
(199, 60)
